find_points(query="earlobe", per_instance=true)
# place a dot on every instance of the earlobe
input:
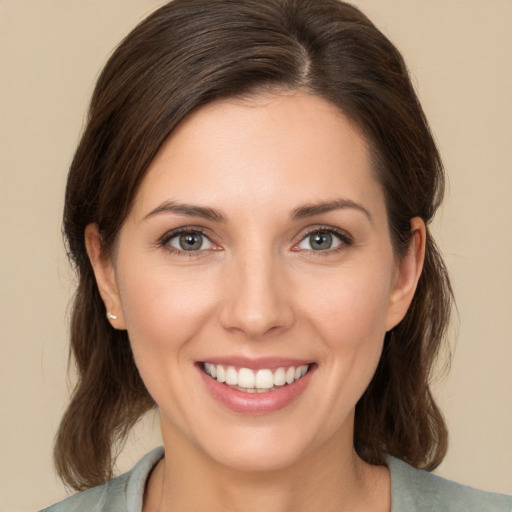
(105, 277)
(408, 274)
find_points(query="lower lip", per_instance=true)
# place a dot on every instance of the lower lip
(256, 403)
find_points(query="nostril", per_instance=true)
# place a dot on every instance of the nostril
(258, 302)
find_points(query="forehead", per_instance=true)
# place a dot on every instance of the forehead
(289, 148)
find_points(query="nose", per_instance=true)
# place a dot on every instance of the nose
(257, 298)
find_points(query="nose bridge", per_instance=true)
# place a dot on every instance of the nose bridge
(256, 302)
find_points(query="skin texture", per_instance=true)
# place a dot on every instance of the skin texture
(257, 288)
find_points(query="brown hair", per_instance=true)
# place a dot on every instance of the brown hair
(188, 53)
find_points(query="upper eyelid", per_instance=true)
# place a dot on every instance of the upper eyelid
(164, 241)
(345, 238)
(343, 234)
(313, 229)
(184, 229)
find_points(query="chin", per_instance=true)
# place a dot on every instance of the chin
(255, 459)
(260, 449)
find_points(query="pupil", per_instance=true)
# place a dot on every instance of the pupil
(321, 240)
(191, 241)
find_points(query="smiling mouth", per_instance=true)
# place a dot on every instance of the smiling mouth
(262, 380)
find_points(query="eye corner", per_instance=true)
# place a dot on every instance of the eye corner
(336, 238)
(173, 241)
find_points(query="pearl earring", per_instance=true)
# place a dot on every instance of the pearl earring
(110, 316)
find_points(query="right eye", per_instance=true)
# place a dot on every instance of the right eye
(188, 241)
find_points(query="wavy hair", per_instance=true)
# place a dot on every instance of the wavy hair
(189, 53)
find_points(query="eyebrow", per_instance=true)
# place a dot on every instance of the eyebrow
(188, 210)
(307, 210)
(310, 210)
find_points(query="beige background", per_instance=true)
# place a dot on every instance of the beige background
(50, 53)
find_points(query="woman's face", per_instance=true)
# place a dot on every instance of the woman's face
(258, 248)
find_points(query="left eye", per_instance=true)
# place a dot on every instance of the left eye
(320, 240)
(190, 241)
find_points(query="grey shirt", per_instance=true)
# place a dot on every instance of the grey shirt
(412, 490)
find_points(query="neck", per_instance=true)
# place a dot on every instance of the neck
(331, 479)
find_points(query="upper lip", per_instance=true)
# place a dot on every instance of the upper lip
(269, 362)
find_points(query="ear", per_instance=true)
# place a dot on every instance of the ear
(105, 277)
(407, 275)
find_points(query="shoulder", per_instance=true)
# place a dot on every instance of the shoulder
(121, 494)
(91, 500)
(413, 490)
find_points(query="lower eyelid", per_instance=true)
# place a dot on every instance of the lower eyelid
(343, 238)
(166, 239)
(204, 239)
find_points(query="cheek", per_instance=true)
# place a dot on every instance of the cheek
(351, 308)
(350, 320)
(164, 312)
(163, 309)
(353, 327)
(353, 330)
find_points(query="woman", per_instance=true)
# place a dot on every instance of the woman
(248, 213)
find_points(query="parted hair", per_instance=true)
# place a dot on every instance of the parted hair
(192, 52)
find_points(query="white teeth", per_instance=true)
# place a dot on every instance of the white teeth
(300, 372)
(250, 381)
(246, 378)
(210, 369)
(264, 379)
(279, 377)
(290, 375)
(221, 373)
(231, 376)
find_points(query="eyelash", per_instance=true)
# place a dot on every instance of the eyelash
(192, 230)
(344, 238)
